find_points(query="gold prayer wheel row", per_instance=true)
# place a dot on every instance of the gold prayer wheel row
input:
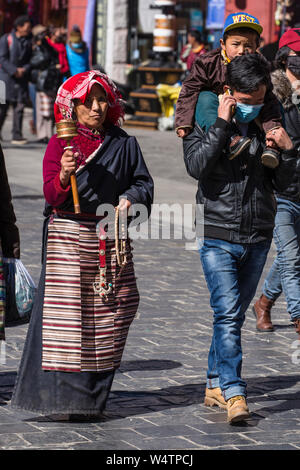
(164, 33)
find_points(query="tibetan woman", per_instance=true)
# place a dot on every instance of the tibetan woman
(87, 298)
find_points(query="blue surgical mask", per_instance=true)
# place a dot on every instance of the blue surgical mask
(247, 112)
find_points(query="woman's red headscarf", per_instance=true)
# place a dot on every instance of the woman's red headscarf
(78, 87)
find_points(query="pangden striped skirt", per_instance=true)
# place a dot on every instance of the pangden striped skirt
(81, 330)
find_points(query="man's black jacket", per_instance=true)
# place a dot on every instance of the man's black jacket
(284, 92)
(238, 195)
(9, 232)
(14, 55)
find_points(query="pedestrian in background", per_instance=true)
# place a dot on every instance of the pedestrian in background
(15, 55)
(194, 48)
(77, 52)
(9, 235)
(284, 275)
(56, 40)
(46, 77)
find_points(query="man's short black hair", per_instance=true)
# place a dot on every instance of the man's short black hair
(241, 31)
(247, 72)
(21, 20)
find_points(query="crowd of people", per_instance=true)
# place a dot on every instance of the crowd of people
(240, 127)
(35, 61)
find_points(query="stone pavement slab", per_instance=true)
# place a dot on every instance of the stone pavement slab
(156, 401)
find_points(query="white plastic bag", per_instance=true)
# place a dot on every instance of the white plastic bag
(25, 289)
(19, 282)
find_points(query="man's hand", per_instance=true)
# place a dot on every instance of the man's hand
(183, 132)
(227, 102)
(68, 166)
(279, 138)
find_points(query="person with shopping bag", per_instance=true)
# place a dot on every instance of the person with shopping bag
(9, 235)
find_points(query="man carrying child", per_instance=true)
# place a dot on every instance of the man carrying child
(241, 35)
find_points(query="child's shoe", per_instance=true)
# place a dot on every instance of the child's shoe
(270, 157)
(237, 145)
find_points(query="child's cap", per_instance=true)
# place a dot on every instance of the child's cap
(291, 38)
(242, 20)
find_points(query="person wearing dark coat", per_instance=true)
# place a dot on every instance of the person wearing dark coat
(239, 214)
(87, 296)
(46, 77)
(15, 55)
(9, 235)
(284, 275)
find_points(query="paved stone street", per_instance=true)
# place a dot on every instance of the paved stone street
(157, 396)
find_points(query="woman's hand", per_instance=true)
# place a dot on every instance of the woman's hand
(227, 103)
(280, 138)
(68, 166)
(124, 205)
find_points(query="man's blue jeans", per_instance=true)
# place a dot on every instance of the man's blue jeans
(232, 273)
(284, 274)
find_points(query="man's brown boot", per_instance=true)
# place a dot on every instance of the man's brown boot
(262, 312)
(297, 326)
(214, 397)
(237, 409)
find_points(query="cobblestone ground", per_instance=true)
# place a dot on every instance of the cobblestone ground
(157, 396)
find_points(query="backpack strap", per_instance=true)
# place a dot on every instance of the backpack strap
(9, 41)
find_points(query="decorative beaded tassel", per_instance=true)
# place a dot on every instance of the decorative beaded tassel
(103, 288)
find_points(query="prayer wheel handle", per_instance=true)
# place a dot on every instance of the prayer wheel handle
(66, 129)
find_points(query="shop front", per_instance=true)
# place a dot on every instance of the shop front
(9, 11)
(53, 12)
(47, 12)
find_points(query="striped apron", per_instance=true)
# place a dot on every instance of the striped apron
(81, 330)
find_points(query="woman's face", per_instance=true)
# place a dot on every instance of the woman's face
(93, 112)
(293, 75)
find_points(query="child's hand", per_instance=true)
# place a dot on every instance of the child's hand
(227, 102)
(183, 132)
(279, 138)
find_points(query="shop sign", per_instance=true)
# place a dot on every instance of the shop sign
(215, 14)
(196, 19)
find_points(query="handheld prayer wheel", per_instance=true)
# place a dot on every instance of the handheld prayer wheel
(66, 129)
